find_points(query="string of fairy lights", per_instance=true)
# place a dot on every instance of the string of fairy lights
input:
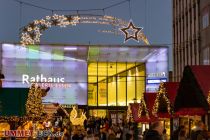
(143, 108)
(208, 98)
(161, 94)
(129, 116)
(31, 33)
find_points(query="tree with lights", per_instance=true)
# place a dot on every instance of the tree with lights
(208, 99)
(129, 116)
(162, 102)
(143, 111)
(34, 107)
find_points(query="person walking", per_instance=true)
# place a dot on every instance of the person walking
(197, 131)
(155, 132)
(182, 135)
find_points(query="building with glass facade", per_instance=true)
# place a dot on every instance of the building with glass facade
(100, 78)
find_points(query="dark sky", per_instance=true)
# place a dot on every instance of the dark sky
(155, 16)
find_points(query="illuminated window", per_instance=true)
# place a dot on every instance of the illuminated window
(115, 83)
(205, 20)
(206, 56)
(102, 92)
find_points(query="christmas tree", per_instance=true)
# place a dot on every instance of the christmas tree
(34, 107)
(143, 111)
(162, 102)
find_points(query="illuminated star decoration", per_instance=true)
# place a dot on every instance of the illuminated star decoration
(131, 32)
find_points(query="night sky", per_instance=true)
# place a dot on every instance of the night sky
(155, 16)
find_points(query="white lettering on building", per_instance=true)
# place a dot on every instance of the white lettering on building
(26, 79)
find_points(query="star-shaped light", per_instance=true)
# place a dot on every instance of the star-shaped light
(131, 32)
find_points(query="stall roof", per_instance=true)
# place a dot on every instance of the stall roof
(149, 100)
(191, 112)
(202, 75)
(193, 91)
(135, 110)
(171, 89)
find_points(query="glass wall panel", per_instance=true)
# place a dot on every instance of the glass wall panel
(140, 70)
(112, 69)
(47, 62)
(116, 83)
(140, 87)
(112, 91)
(92, 92)
(121, 67)
(140, 81)
(102, 70)
(102, 92)
(92, 70)
(131, 86)
(98, 113)
(121, 89)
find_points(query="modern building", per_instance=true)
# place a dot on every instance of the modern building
(205, 32)
(191, 31)
(186, 35)
(101, 79)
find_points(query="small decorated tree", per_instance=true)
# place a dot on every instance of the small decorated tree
(143, 111)
(34, 107)
(162, 102)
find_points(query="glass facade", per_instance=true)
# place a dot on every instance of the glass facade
(98, 75)
(47, 62)
(115, 84)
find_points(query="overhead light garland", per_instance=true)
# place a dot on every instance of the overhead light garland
(143, 108)
(161, 95)
(32, 32)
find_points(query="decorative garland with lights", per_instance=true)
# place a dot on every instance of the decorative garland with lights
(208, 99)
(143, 108)
(161, 94)
(32, 32)
(129, 114)
(20, 119)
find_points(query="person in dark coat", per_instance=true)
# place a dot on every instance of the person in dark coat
(155, 132)
(197, 131)
(175, 135)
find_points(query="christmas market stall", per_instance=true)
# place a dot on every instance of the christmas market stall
(164, 102)
(193, 97)
(141, 112)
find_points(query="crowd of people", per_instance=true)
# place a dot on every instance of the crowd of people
(198, 132)
(104, 129)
